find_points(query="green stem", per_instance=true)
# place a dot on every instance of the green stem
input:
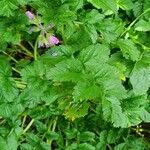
(12, 58)
(20, 86)
(35, 49)
(139, 43)
(28, 126)
(134, 21)
(54, 124)
(109, 146)
(53, 129)
(24, 120)
(16, 70)
(26, 50)
(31, 45)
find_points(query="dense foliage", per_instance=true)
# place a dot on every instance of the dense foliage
(74, 74)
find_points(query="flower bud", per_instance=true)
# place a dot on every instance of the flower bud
(30, 15)
(53, 40)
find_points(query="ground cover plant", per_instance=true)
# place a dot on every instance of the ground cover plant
(74, 74)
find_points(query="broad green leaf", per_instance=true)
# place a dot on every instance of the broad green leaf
(87, 136)
(84, 91)
(71, 133)
(11, 111)
(86, 146)
(52, 135)
(26, 146)
(137, 8)
(12, 142)
(11, 37)
(145, 116)
(129, 49)
(8, 88)
(140, 76)
(112, 111)
(106, 5)
(132, 143)
(9, 143)
(33, 70)
(36, 142)
(73, 146)
(102, 140)
(98, 52)
(142, 25)
(76, 111)
(5, 68)
(69, 70)
(113, 135)
(93, 17)
(7, 7)
(107, 77)
(110, 29)
(91, 30)
(125, 4)
(75, 5)
(3, 144)
(80, 39)
(134, 108)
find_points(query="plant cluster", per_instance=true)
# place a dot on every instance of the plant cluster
(74, 74)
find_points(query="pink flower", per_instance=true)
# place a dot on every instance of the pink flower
(53, 40)
(30, 15)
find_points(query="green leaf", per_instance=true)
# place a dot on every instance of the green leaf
(107, 77)
(97, 52)
(137, 8)
(93, 17)
(87, 136)
(129, 49)
(145, 116)
(9, 143)
(52, 135)
(91, 30)
(69, 70)
(125, 4)
(134, 108)
(3, 144)
(8, 88)
(5, 68)
(132, 143)
(80, 39)
(84, 91)
(11, 37)
(110, 29)
(76, 111)
(112, 111)
(102, 140)
(36, 142)
(142, 25)
(11, 111)
(106, 5)
(12, 142)
(86, 146)
(7, 8)
(33, 70)
(26, 146)
(140, 76)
